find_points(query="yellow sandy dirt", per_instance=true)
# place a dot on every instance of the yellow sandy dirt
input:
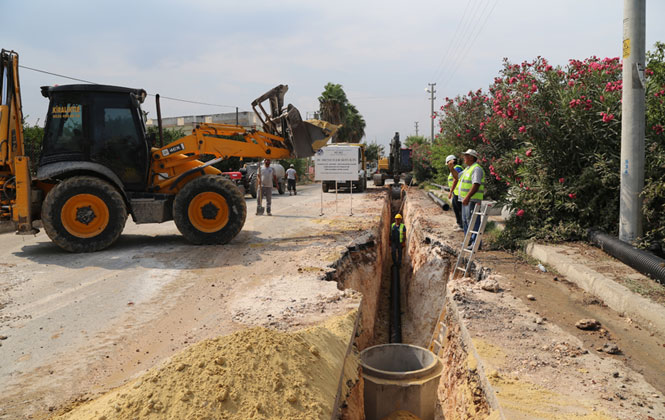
(255, 373)
(524, 400)
(401, 415)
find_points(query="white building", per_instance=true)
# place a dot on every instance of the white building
(245, 119)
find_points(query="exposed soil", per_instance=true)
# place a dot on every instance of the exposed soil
(254, 373)
(533, 347)
(78, 325)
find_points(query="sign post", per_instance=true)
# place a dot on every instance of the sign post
(339, 164)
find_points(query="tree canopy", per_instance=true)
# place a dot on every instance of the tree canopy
(335, 108)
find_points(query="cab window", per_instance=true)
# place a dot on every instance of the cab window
(65, 131)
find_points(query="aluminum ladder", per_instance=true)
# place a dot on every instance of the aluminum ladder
(439, 334)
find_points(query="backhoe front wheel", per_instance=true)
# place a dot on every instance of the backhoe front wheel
(84, 214)
(209, 210)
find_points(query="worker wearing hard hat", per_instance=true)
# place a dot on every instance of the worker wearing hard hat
(471, 190)
(397, 239)
(453, 179)
(291, 178)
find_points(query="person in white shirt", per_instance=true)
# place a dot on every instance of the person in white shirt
(291, 177)
(268, 180)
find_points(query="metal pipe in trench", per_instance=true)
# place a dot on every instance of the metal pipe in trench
(642, 261)
(395, 310)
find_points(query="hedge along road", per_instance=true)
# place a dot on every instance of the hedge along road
(77, 323)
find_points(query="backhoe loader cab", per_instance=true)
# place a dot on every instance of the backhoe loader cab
(98, 166)
(98, 124)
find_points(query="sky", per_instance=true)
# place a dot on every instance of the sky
(384, 53)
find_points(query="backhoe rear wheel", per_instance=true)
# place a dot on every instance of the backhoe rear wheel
(84, 214)
(209, 210)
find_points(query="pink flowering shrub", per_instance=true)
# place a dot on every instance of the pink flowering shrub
(549, 140)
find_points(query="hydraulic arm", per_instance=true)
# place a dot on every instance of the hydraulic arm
(15, 182)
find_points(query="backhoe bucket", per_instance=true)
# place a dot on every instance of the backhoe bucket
(307, 136)
(321, 132)
(302, 138)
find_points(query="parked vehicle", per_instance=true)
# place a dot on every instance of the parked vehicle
(249, 177)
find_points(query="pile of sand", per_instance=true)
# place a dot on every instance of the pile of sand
(252, 374)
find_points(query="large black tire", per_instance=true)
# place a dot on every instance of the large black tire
(209, 210)
(378, 180)
(280, 187)
(325, 186)
(84, 214)
(252, 187)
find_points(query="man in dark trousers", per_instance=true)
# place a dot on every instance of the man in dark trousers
(397, 239)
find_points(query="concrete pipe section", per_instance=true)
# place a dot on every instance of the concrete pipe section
(400, 377)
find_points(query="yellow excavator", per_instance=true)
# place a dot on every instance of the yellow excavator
(98, 165)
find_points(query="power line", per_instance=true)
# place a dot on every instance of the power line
(466, 52)
(462, 35)
(150, 94)
(450, 44)
(56, 74)
(466, 36)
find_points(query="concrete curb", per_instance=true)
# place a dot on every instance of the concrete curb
(613, 294)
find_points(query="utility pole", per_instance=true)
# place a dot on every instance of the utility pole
(432, 91)
(632, 120)
(416, 122)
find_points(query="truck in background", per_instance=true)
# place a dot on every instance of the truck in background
(361, 184)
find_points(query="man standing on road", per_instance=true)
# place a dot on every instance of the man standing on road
(471, 190)
(267, 180)
(453, 195)
(291, 178)
(397, 239)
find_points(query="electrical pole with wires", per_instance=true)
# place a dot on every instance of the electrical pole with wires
(432, 91)
(632, 120)
(416, 123)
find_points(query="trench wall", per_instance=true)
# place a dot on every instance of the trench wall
(464, 391)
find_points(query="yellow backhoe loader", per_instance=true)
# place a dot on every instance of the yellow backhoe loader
(98, 165)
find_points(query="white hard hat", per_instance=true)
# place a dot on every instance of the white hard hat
(472, 152)
(451, 157)
(291, 165)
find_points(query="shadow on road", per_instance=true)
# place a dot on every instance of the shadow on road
(171, 251)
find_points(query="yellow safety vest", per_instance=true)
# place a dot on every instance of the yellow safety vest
(465, 183)
(402, 231)
(451, 179)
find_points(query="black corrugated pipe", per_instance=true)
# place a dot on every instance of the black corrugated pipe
(395, 310)
(641, 261)
(438, 201)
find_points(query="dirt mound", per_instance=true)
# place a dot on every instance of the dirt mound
(252, 374)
